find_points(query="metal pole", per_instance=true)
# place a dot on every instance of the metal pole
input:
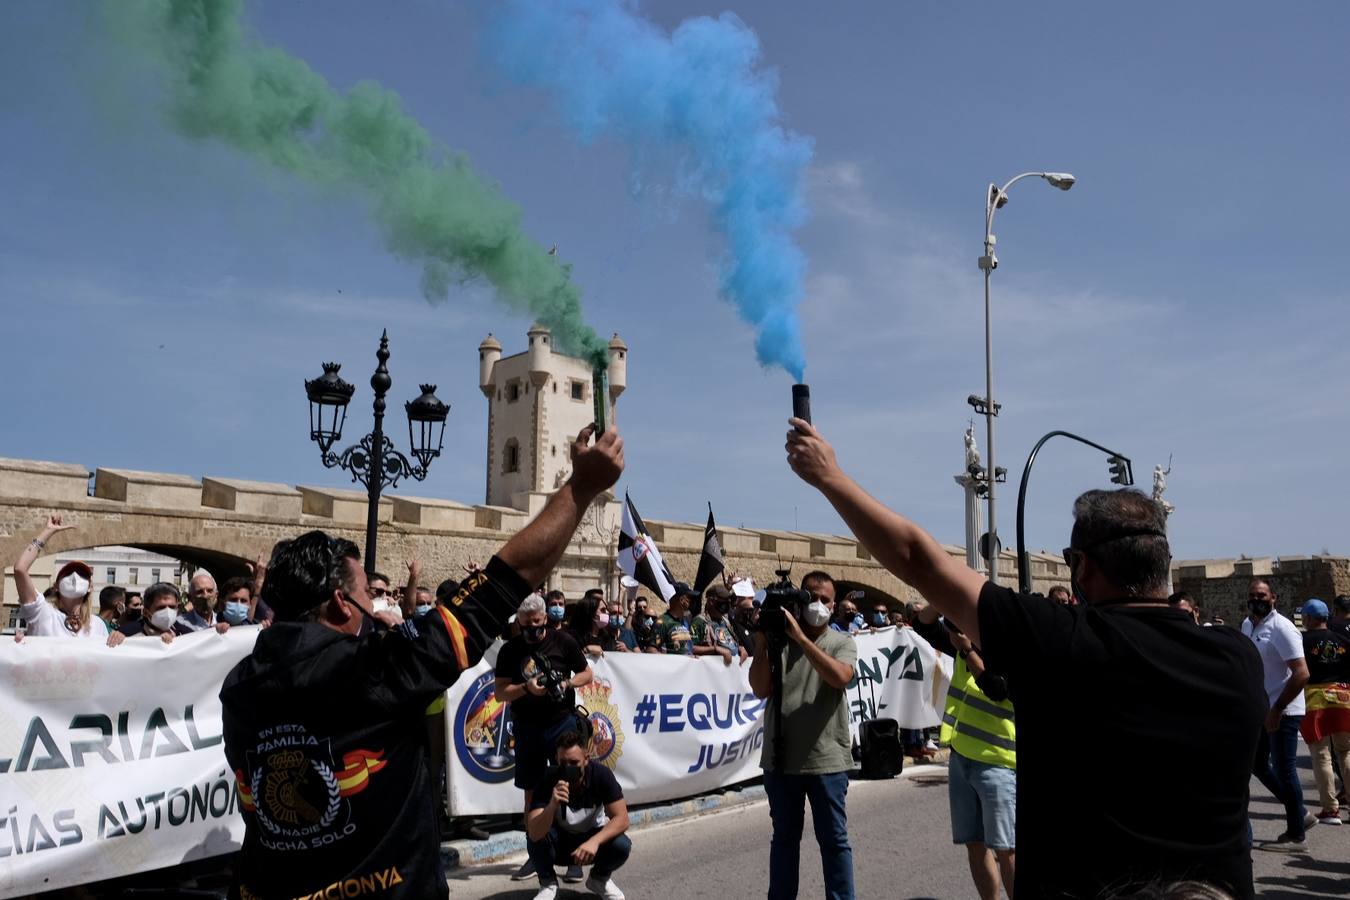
(380, 382)
(990, 465)
(1023, 569)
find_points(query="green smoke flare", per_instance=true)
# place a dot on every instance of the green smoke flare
(433, 207)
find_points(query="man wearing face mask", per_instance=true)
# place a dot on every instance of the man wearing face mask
(674, 624)
(624, 639)
(711, 630)
(846, 618)
(817, 665)
(202, 596)
(555, 607)
(323, 728)
(161, 619)
(1120, 683)
(579, 816)
(237, 603)
(135, 608)
(1286, 672)
(112, 605)
(69, 615)
(645, 628)
(538, 717)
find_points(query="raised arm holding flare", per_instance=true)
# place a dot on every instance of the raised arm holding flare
(1092, 684)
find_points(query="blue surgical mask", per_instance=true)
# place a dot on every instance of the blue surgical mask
(556, 613)
(424, 608)
(616, 621)
(878, 620)
(856, 622)
(235, 612)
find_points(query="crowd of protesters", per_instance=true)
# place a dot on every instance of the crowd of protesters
(580, 819)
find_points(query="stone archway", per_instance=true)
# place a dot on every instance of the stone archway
(197, 542)
(871, 595)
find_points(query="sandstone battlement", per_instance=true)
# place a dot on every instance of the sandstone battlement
(220, 523)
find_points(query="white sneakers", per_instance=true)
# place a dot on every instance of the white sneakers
(547, 892)
(606, 889)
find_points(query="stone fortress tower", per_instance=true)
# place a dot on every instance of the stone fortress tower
(537, 402)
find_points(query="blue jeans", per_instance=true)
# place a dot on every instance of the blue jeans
(556, 849)
(787, 795)
(1274, 767)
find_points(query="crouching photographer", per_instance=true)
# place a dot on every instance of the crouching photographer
(536, 672)
(578, 815)
(803, 668)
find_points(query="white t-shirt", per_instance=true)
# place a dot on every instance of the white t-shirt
(1279, 643)
(42, 619)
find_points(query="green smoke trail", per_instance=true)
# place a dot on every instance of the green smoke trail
(432, 206)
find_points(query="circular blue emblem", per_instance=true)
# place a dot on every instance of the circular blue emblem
(483, 733)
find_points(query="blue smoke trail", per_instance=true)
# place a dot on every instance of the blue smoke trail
(699, 91)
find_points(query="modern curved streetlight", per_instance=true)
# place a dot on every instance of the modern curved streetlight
(995, 200)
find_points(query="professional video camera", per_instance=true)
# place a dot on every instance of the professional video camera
(779, 596)
(552, 680)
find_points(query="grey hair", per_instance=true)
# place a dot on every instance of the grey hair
(1107, 526)
(531, 604)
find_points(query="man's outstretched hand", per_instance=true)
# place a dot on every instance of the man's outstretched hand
(596, 468)
(809, 454)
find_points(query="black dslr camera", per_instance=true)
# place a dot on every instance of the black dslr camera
(550, 679)
(779, 596)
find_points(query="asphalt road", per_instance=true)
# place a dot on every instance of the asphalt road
(902, 848)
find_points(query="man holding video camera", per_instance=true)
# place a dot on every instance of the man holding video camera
(1121, 683)
(803, 668)
(536, 672)
(578, 814)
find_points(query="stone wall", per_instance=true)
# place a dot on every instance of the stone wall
(1220, 586)
(221, 524)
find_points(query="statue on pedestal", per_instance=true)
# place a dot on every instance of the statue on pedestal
(1160, 485)
(972, 451)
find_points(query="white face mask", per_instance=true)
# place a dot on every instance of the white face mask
(163, 619)
(74, 586)
(379, 604)
(817, 614)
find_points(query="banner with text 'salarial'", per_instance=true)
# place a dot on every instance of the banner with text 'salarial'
(112, 760)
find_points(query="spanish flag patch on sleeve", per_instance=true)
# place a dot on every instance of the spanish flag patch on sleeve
(458, 636)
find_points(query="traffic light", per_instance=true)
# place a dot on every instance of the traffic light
(1120, 470)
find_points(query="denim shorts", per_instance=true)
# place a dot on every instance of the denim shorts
(984, 803)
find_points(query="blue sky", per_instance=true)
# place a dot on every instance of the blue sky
(164, 299)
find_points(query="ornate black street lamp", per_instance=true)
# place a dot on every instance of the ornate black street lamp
(374, 462)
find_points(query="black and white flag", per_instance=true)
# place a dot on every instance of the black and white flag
(639, 557)
(710, 562)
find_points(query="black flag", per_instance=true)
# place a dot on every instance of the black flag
(710, 563)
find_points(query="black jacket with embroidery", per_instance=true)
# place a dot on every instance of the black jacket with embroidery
(325, 734)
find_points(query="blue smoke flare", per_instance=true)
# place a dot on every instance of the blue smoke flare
(699, 92)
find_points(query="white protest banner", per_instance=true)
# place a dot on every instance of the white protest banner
(898, 676)
(112, 760)
(674, 726)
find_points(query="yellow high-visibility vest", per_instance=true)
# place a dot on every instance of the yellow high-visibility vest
(975, 726)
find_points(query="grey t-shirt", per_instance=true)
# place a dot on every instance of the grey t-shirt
(816, 739)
